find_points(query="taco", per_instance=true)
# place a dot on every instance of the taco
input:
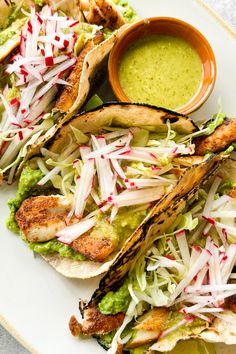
(181, 283)
(50, 56)
(98, 181)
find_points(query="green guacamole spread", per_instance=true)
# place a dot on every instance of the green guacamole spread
(53, 246)
(174, 318)
(126, 222)
(115, 302)
(28, 180)
(128, 12)
(161, 70)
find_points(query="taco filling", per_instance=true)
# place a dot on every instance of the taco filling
(107, 184)
(48, 50)
(183, 286)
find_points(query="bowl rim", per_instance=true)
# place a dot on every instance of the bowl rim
(200, 96)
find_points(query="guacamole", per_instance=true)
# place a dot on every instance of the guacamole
(126, 221)
(174, 318)
(128, 12)
(115, 302)
(28, 180)
(53, 246)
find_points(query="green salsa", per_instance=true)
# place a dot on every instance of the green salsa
(161, 70)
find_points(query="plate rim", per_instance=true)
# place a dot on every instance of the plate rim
(3, 321)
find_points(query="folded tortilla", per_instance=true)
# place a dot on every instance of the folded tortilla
(148, 331)
(153, 119)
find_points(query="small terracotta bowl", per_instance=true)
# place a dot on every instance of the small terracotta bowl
(173, 27)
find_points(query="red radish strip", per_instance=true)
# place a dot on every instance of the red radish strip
(196, 251)
(116, 166)
(188, 319)
(38, 108)
(232, 276)
(95, 197)
(191, 309)
(137, 197)
(208, 299)
(63, 82)
(216, 264)
(183, 246)
(211, 195)
(222, 237)
(144, 182)
(203, 317)
(34, 72)
(173, 250)
(72, 232)
(229, 263)
(201, 276)
(209, 288)
(23, 61)
(49, 176)
(210, 309)
(220, 202)
(70, 215)
(13, 148)
(202, 260)
(229, 229)
(207, 228)
(74, 23)
(223, 214)
(46, 88)
(211, 268)
(104, 172)
(114, 212)
(35, 32)
(8, 109)
(133, 156)
(58, 69)
(85, 184)
(105, 149)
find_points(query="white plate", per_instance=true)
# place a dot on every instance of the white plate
(35, 301)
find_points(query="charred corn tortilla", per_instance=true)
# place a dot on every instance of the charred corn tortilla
(187, 173)
(156, 328)
(25, 130)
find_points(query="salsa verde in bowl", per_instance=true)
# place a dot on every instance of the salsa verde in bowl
(163, 61)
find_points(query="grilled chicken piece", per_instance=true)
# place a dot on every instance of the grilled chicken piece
(149, 327)
(102, 12)
(95, 322)
(39, 218)
(222, 137)
(99, 243)
(70, 93)
(92, 12)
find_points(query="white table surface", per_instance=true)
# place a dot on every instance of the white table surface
(225, 8)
